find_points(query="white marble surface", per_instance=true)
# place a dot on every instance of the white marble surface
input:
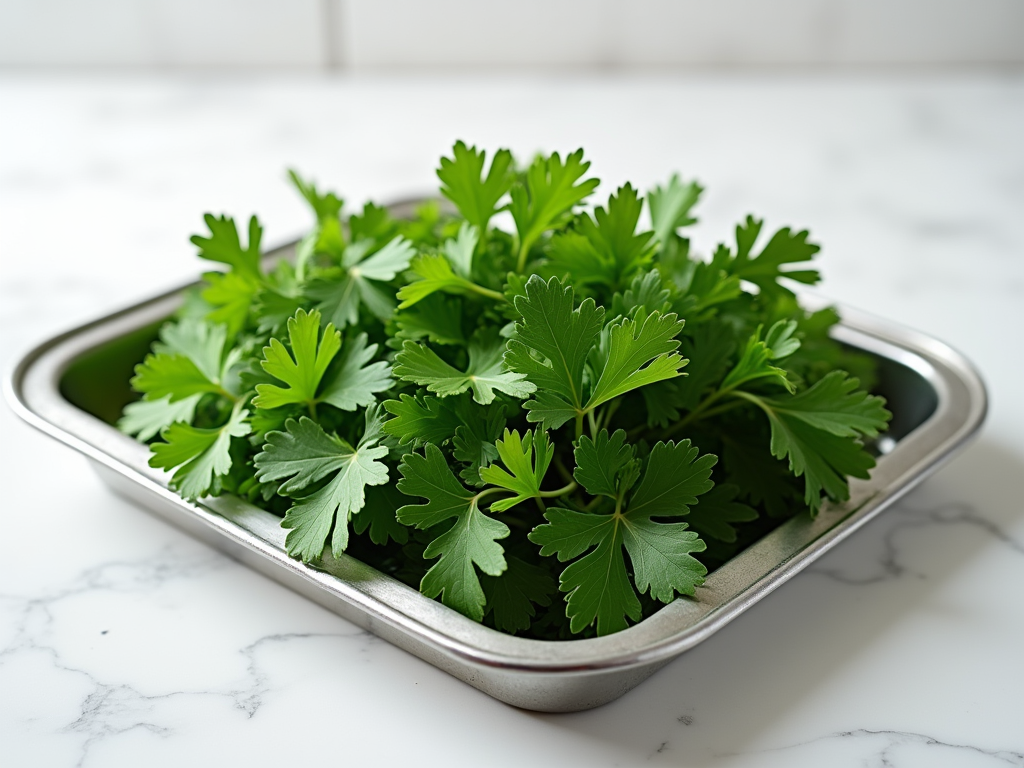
(123, 642)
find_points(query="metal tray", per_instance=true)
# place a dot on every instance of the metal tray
(73, 387)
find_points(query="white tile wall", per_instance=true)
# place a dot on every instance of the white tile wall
(470, 34)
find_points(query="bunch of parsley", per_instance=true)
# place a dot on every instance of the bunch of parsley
(553, 429)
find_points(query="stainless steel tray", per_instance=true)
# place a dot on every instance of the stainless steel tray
(72, 386)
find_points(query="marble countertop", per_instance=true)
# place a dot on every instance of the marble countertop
(124, 642)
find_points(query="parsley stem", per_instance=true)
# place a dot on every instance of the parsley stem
(311, 406)
(488, 492)
(560, 492)
(579, 425)
(485, 291)
(609, 411)
(697, 413)
(524, 250)
(593, 424)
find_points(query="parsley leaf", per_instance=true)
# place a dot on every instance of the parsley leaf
(528, 460)
(783, 249)
(486, 372)
(304, 454)
(146, 418)
(640, 352)
(200, 455)
(511, 596)
(547, 197)
(671, 205)
(189, 360)
(352, 384)
(472, 539)
(463, 183)
(563, 336)
(448, 271)
(474, 442)
(817, 431)
(378, 515)
(714, 516)
(420, 420)
(612, 232)
(356, 380)
(598, 584)
(327, 237)
(754, 364)
(437, 318)
(224, 246)
(303, 372)
(361, 282)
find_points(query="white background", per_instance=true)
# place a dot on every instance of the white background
(360, 35)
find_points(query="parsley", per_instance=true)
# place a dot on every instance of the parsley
(552, 428)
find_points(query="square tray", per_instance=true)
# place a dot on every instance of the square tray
(73, 387)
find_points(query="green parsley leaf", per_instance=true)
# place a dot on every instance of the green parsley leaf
(361, 283)
(606, 466)
(612, 232)
(817, 431)
(647, 290)
(378, 515)
(200, 455)
(224, 246)
(463, 183)
(511, 597)
(325, 206)
(230, 294)
(754, 364)
(356, 380)
(573, 257)
(448, 271)
(563, 336)
(436, 318)
(671, 205)
(474, 443)
(146, 418)
(486, 372)
(709, 350)
(420, 420)
(783, 249)
(189, 360)
(717, 511)
(305, 454)
(472, 540)
(598, 585)
(547, 197)
(705, 285)
(639, 353)
(528, 460)
(303, 372)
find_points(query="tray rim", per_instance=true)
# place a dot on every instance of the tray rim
(653, 641)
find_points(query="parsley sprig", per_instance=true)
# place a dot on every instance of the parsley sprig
(553, 428)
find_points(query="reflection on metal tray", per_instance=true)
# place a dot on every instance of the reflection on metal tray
(74, 386)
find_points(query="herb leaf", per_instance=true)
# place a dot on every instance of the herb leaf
(472, 540)
(304, 454)
(527, 459)
(200, 455)
(486, 372)
(563, 336)
(463, 183)
(661, 554)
